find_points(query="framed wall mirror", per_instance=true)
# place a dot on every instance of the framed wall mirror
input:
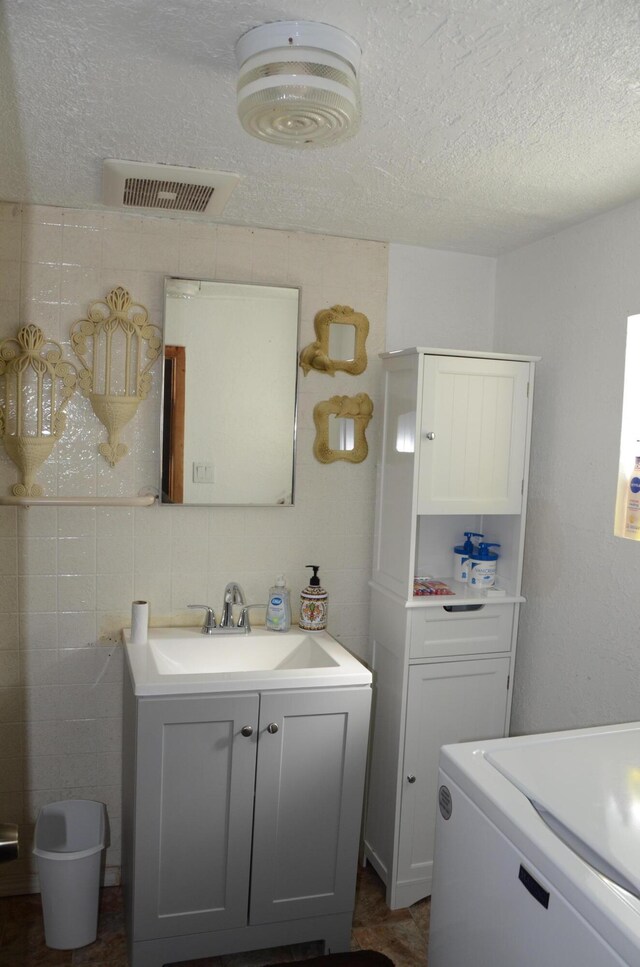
(340, 343)
(229, 393)
(341, 424)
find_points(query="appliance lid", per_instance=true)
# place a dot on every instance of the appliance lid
(586, 788)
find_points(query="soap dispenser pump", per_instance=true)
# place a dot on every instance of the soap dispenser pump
(482, 566)
(314, 604)
(461, 556)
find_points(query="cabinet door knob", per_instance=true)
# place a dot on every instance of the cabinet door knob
(430, 435)
(272, 727)
(411, 778)
(247, 730)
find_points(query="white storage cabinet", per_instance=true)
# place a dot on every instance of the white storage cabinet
(454, 459)
(241, 822)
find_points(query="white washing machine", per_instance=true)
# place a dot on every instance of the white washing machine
(537, 858)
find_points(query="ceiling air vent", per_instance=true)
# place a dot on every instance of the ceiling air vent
(168, 188)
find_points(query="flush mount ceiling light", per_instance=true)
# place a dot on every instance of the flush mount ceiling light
(298, 83)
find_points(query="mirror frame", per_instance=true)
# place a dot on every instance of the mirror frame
(358, 408)
(316, 354)
(168, 279)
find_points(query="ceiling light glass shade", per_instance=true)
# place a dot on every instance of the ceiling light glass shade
(298, 83)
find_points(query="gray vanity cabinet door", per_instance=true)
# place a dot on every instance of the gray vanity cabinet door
(193, 813)
(308, 810)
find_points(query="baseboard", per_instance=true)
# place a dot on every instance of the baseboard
(372, 857)
(405, 894)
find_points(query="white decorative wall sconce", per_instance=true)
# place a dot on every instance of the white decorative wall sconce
(117, 346)
(35, 385)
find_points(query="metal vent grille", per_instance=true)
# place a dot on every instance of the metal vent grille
(171, 195)
(166, 188)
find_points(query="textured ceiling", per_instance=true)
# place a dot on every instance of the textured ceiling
(486, 123)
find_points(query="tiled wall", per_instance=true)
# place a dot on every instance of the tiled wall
(69, 574)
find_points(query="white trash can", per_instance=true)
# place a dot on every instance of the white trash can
(69, 840)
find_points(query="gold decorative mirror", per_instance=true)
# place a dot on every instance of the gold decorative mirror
(35, 384)
(331, 336)
(117, 347)
(341, 423)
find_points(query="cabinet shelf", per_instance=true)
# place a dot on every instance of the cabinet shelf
(462, 595)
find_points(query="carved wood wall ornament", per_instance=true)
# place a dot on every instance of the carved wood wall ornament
(35, 385)
(117, 346)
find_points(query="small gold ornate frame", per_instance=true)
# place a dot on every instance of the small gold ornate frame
(117, 346)
(316, 354)
(358, 408)
(35, 385)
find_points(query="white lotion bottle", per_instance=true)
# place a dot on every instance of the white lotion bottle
(278, 616)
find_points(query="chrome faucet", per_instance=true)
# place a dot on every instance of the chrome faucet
(233, 594)
(209, 623)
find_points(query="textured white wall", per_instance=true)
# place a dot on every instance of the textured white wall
(69, 574)
(439, 299)
(567, 299)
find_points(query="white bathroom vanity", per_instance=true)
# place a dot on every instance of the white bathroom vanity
(243, 791)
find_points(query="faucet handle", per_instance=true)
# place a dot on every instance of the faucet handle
(243, 620)
(210, 618)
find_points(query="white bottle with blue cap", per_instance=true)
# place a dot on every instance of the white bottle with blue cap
(482, 566)
(461, 555)
(278, 616)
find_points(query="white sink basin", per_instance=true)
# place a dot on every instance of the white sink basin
(180, 660)
(238, 653)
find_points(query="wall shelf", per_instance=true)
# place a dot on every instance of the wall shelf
(146, 501)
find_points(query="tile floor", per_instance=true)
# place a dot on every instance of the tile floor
(400, 934)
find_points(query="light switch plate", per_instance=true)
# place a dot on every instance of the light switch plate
(203, 473)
